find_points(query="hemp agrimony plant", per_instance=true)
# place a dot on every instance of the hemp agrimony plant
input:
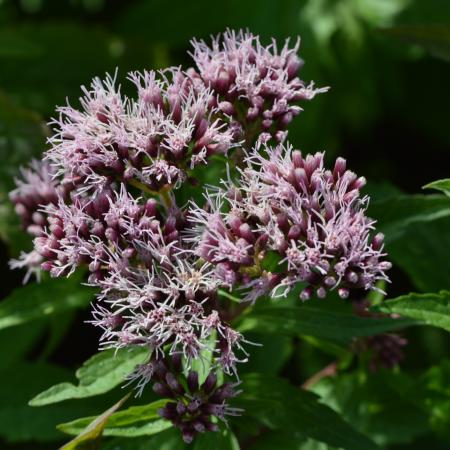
(179, 283)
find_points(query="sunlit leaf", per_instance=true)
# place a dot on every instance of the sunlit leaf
(432, 309)
(440, 185)
(91, 435)
(98, 375)
(132, 422)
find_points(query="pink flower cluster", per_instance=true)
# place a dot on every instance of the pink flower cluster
(104, 199)
(256, 84)
(150, 141)
(285, 204)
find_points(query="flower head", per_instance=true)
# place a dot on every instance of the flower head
(192, 403)
(264, 78)
(172, 126)
(313, 218)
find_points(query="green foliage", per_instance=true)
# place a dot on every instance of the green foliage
(223, 440)
(397, 213)
(35, 301)
(386, 113)
(132, 422)
(380, 405)
(327, 321)
(91, 435)
(19, 422)
(278, 405)
(417, 227)
(166, 440)
(433, 38)
(440, 185)
(431, 309)
(98, 375)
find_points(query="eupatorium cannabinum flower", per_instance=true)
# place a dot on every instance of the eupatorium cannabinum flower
(150, 141)
(257, 84)
(104, 200)
(191, 404)
(312, 218)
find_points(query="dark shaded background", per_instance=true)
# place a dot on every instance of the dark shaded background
(386, 112)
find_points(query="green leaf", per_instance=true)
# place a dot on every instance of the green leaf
(221, 440)
(435, 399)
(314, 320)
(433, 38)
(380, 405)
(440, 185)
(22, 136)
(91, 435)
(278, 405)
(431, 309)
(416, 227)
(202, 364)
(18, 421)
(24, 337)
(276, 349)
(132, 422)
(169, 439)
(286, 440)
(423, 254)
(271, 261)
(98, 375)
(36, 301)
(395, 214)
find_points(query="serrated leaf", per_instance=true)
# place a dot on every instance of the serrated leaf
(98, 375)
(40, 300)
(90, 436)
(132, 422)
(440, 185)
(278, 405)
(311, 320)
(431, 309)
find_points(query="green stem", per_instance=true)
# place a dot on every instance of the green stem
(142, 186)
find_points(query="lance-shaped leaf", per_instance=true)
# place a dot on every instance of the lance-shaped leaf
(431, 309)
(440, 185)
(132, 422)
(98, 375)
(312, 320)
(91, 435)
